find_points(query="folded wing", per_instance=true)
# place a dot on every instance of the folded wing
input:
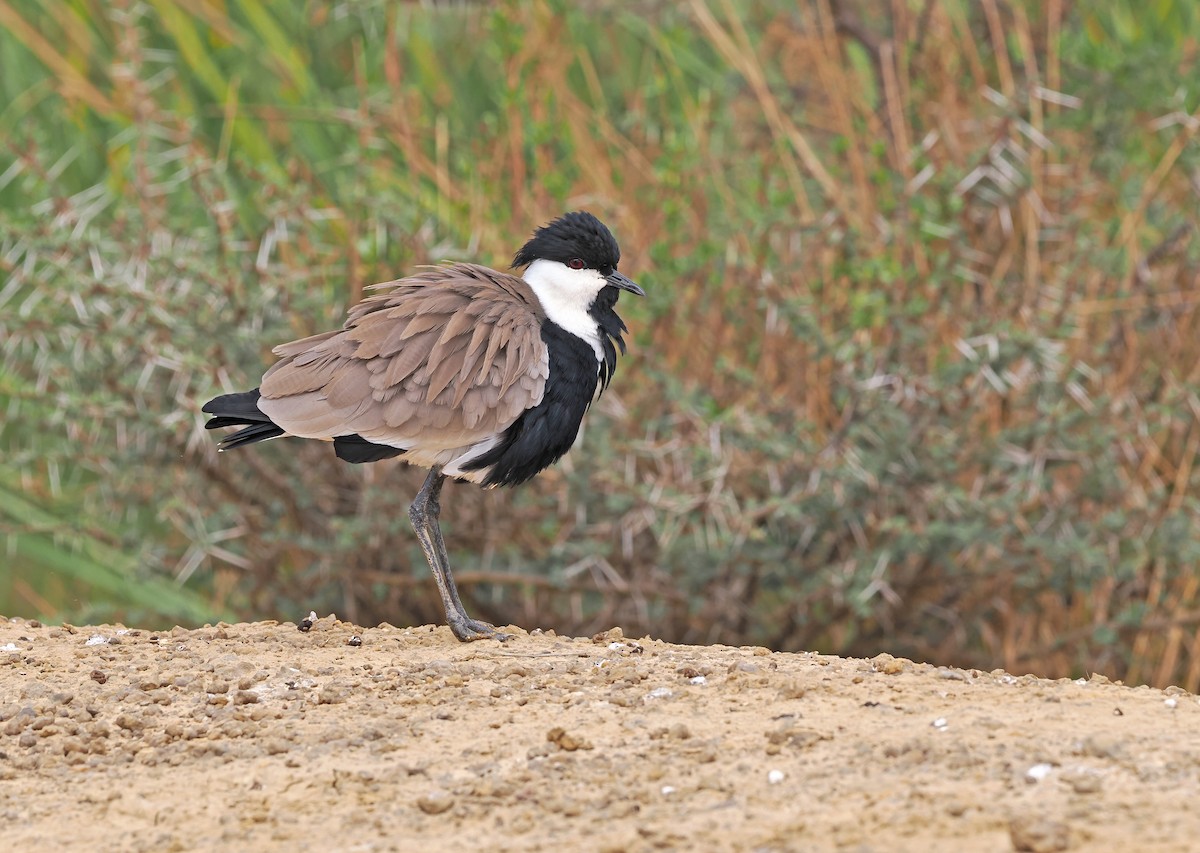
(441, 360)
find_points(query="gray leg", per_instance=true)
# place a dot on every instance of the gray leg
(424, 514)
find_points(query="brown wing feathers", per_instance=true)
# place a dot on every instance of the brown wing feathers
(442, 359)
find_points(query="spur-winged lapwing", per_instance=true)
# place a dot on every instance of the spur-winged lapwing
(474, 374)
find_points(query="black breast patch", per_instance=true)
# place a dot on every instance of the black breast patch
(543, 434)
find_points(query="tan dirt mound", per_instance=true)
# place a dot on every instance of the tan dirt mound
(260, 736)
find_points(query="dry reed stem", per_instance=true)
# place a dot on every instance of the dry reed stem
(1054, 18)
(1133, 219)
(1173, 642)
(73, 84)
(743, 59)
(1191, 678)
(1008, 84)
(834, 77)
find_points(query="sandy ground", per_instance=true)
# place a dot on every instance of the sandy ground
(259, 736)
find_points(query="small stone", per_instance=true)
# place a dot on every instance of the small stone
(791, 689)
(355, 641)
(1038, 772)
(625, 698)
(435, 802)
(1083, 781)
(17, 724)
(565, 741)
(889, 665)
(1038, 835)
(789, 733)
(331, 696)
(774, 777)
(952, 674)
(130, 722)
(1103, 746)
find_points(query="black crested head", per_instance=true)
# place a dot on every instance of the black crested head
(577, 235)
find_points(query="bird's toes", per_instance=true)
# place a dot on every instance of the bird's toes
(470, 630)
(490, 631)
(484, 635)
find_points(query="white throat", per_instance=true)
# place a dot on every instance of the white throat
(566, 295)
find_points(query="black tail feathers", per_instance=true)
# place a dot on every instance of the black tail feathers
(240, 410)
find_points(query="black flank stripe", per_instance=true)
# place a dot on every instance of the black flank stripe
(356, 450)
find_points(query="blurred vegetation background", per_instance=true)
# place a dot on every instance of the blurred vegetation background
(918, 370)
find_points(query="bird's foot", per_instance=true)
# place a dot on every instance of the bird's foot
(468, 630)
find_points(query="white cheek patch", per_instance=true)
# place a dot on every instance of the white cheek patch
(566, 295)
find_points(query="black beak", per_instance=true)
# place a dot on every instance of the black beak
(620, 281)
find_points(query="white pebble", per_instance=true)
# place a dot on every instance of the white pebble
(9, 647)
(1081, 681)
(940, 724)
(668, 790)
(775, 777)
(699, 679)
(1038, 772)
(1171, 702)
(660, 693)
(96, 640)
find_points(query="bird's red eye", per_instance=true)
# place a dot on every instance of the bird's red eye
(576, 263)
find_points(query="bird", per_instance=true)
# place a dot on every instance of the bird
(477, 375)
